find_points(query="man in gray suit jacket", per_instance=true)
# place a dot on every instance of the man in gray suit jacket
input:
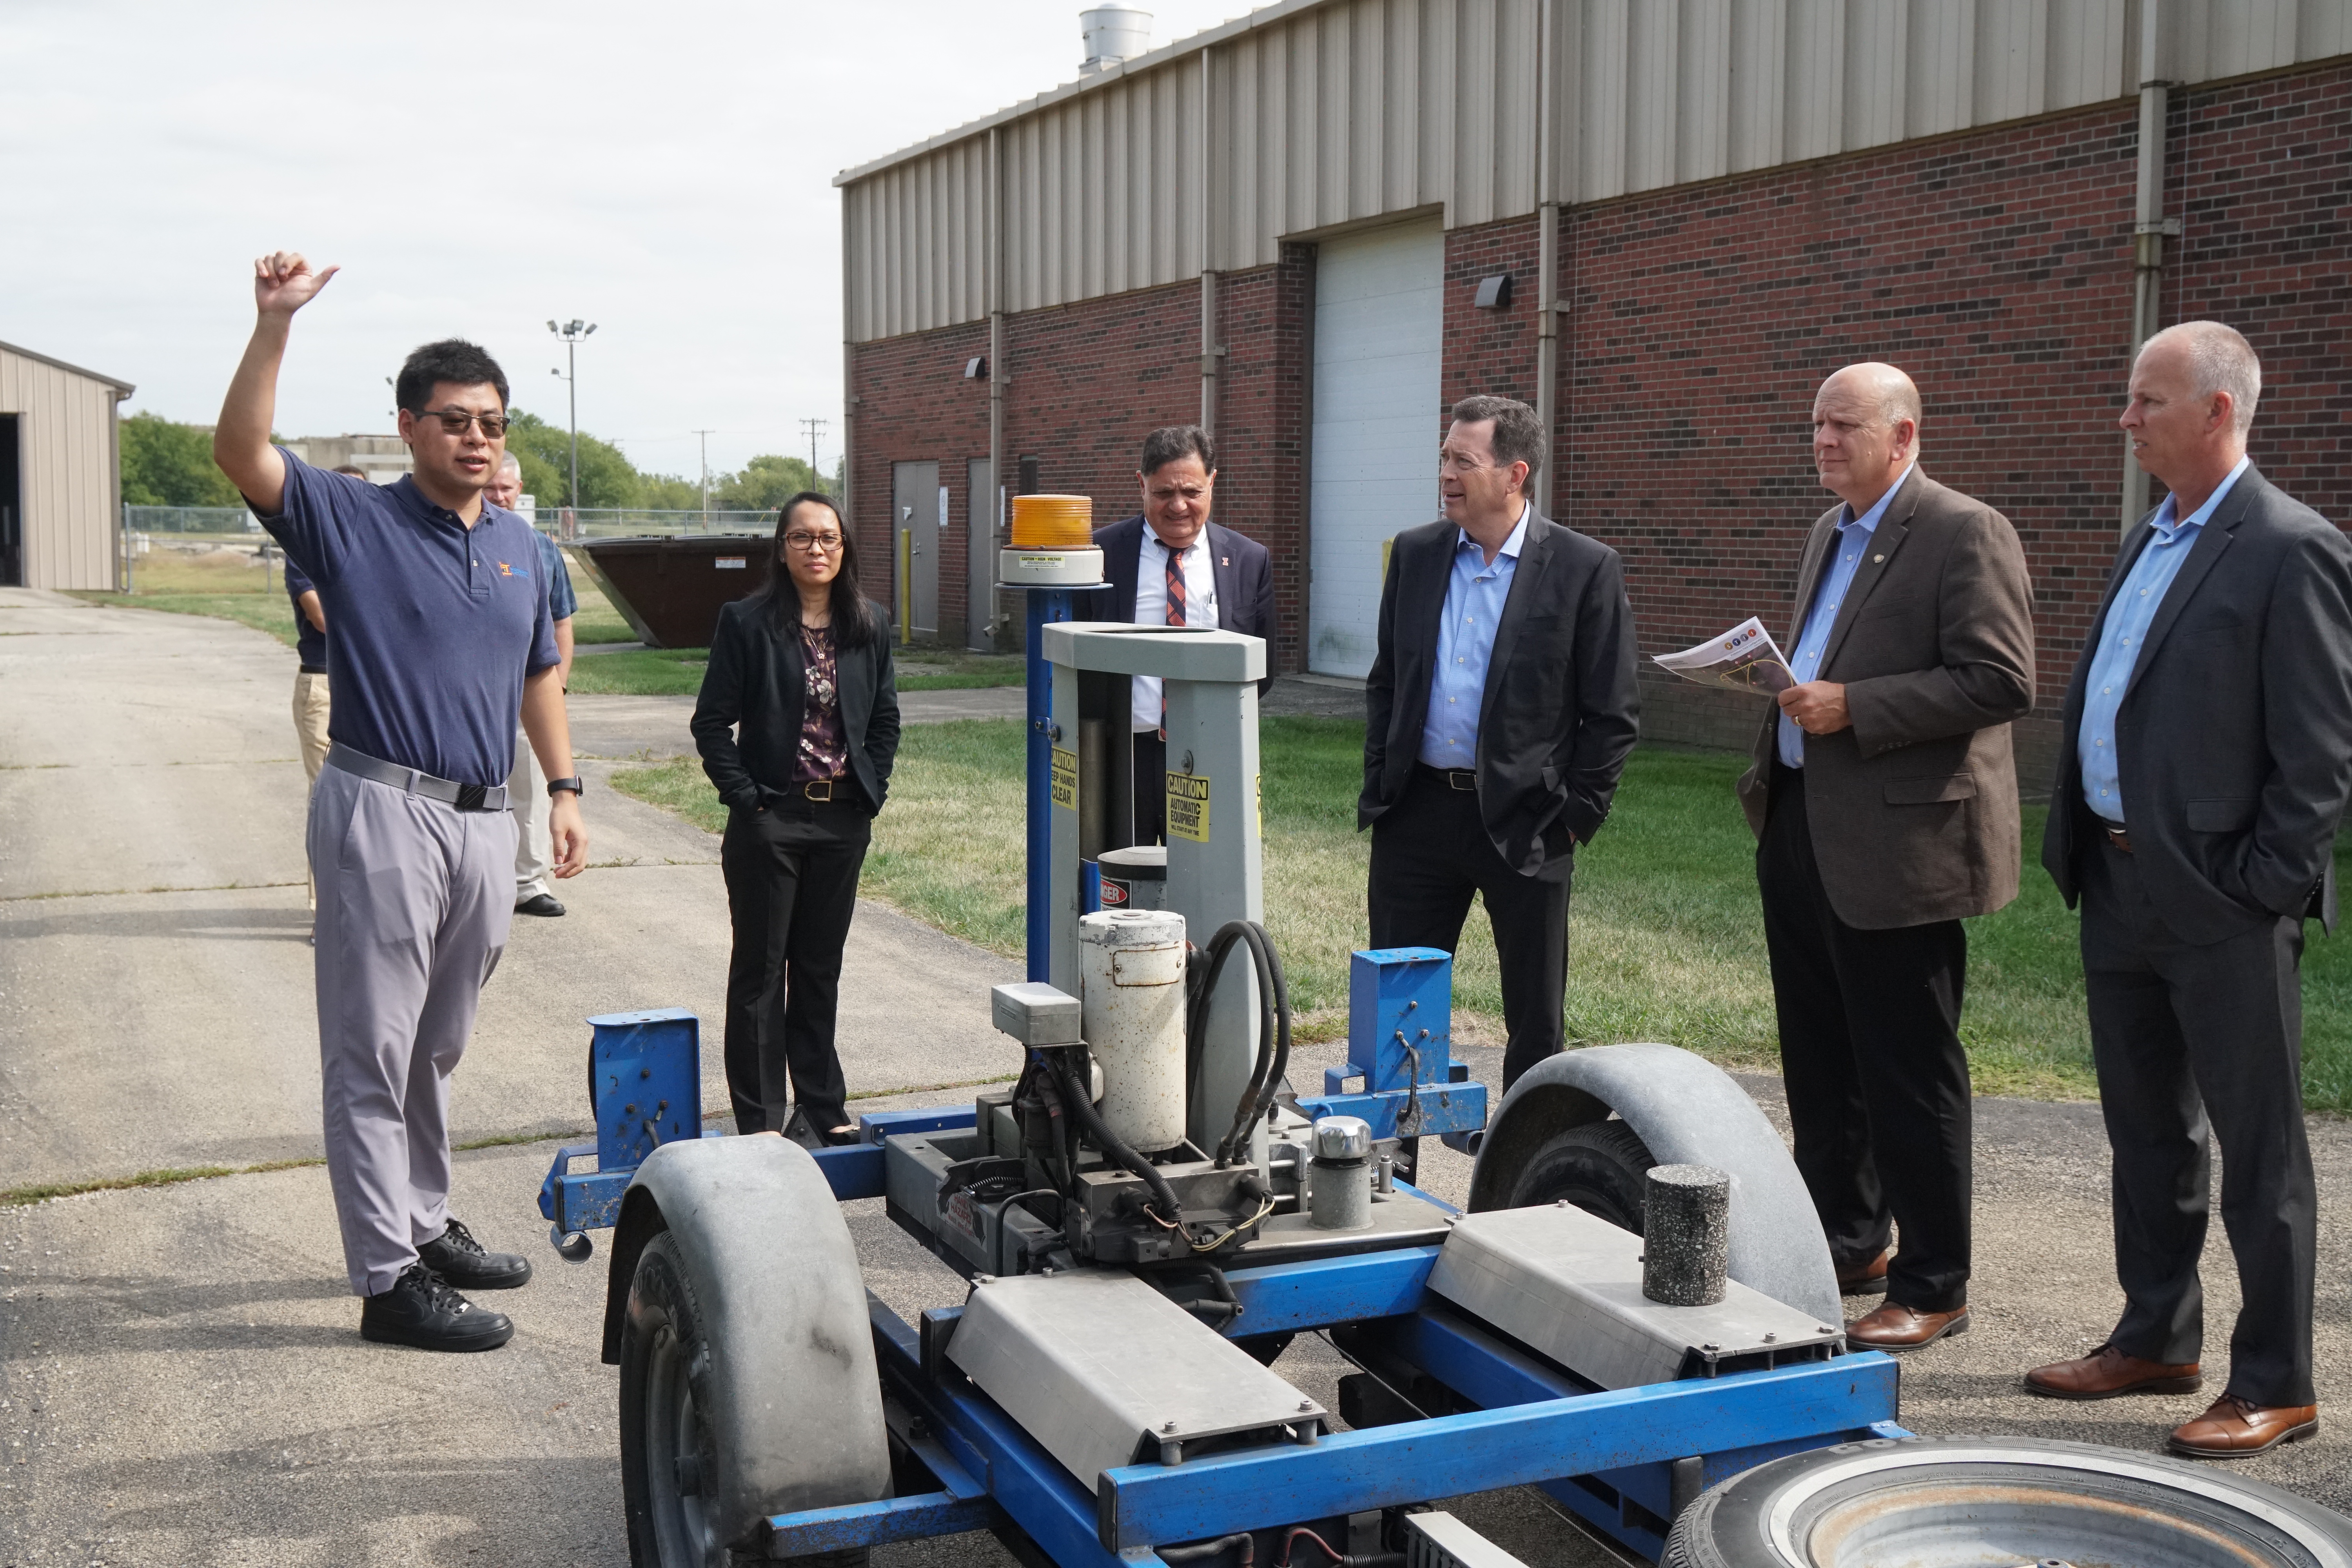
(1885, 802)
(2207, 756)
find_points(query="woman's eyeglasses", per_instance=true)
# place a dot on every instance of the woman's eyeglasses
(813, 543)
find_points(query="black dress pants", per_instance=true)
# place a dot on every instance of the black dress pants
(1430, 854)
(1870, 1052)
(1151, 787)
(2184, 1036)
(791, 885)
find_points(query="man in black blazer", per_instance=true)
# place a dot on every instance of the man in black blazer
(1498, 714)
(2208, 757)
(1169, 565)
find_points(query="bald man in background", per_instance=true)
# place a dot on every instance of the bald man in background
(1884, 799)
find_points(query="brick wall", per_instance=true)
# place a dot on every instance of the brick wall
(1087, 381)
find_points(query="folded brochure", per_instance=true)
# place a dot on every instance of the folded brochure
(1744, 659)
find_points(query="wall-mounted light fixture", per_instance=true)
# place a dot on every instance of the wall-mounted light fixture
(1495, 293)
(976, 368)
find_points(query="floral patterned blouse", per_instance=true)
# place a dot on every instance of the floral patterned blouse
(824, 749)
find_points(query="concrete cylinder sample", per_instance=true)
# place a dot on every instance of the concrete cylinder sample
(1132, 975)
(1340, 1177)
(1686, 1235)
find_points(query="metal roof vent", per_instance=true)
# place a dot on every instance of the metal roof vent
(1113, 34)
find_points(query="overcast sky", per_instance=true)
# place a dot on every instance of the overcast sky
(662, 170)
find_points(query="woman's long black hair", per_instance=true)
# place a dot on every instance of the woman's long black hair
(779, 599)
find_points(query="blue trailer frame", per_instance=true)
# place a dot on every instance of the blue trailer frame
(1610, 1456)
(1621, 1461)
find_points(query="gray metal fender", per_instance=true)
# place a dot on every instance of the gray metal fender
(1689, 1111)
(796, 1411)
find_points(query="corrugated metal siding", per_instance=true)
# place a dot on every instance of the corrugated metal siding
(1324, 115)
(65, 431)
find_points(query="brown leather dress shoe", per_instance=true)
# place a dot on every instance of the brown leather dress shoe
(2107, 1371)
(2233, 1428)
(1867, 1278)
(1898, 1327)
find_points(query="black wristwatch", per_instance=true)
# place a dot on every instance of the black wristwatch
(572, 783)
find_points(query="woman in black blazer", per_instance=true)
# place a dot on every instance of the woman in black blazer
(798, 725)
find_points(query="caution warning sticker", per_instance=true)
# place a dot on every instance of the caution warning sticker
(1188, 806)
(1065, 779)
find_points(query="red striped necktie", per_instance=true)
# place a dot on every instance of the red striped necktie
(1175, 618)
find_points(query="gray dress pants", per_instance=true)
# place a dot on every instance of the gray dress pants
(415, 900)
(2192, 1042)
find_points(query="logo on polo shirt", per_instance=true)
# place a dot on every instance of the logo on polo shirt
(507, 571)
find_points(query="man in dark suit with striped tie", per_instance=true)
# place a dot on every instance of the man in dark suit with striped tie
(1170, 565)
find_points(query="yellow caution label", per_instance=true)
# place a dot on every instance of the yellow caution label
(1065, 779)
(1188, 808)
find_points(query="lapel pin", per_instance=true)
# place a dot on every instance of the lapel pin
(1877, 558)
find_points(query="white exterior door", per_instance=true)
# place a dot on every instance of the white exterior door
(1378, 339)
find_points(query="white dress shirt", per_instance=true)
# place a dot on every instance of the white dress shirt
(1150, 607)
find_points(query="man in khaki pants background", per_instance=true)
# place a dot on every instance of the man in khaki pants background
(311, 680)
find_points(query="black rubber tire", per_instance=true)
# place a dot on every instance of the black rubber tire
(1935, 1500)
(1598, 1167)
(662, 1346)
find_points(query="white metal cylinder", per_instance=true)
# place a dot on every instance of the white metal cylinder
(1131, 977)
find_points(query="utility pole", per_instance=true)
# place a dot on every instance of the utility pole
(571, 332)
(814, 428)
(706, 435)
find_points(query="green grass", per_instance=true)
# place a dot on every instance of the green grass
(224, 585)
(1666, 940)
(677, 671)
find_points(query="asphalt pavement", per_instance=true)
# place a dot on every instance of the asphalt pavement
(180, 1378)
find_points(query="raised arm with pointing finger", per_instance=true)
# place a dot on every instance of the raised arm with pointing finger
(443, 634)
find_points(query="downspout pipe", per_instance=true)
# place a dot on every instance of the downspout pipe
(2150, 229)
(1210, 349)
(998, 378)
(1547, 253)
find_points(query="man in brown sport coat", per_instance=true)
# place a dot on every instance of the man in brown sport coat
(1885, 802)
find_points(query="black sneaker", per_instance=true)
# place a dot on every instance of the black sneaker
(458, 1257)
(421, 1310)
(545, 904)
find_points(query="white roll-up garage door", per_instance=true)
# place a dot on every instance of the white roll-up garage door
(1379, 341)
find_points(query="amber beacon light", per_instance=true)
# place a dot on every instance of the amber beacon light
(1053, 544)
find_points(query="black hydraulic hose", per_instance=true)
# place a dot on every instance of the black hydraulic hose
(1082, 1109)
(1273, 1027)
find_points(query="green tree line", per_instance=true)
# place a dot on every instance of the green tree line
(166, 463)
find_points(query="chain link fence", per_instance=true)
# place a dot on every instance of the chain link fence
(189, 520)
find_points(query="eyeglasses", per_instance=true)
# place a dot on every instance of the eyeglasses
(457, 421)
(827, 542)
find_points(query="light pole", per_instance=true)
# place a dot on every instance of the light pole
(706, 479)
(571, 332)
(813, 426)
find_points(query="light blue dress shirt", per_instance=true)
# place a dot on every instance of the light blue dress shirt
(1474, 594)
(2124, 634)
(1853, 536)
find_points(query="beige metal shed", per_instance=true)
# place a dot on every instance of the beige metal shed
(60, 472)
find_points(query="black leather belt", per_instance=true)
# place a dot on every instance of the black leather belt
(822, 791)
(1453, 778)
(464, 796)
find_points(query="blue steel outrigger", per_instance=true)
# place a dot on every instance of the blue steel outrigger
(1451, 1404)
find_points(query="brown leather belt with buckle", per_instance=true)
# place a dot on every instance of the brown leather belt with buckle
(2119, 838)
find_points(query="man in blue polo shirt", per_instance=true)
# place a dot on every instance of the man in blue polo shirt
(441, 635)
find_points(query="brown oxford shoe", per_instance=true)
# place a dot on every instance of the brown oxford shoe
(1867, 1278)
(2107, 1371)
(1898, 1328)
(2234, 1429)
